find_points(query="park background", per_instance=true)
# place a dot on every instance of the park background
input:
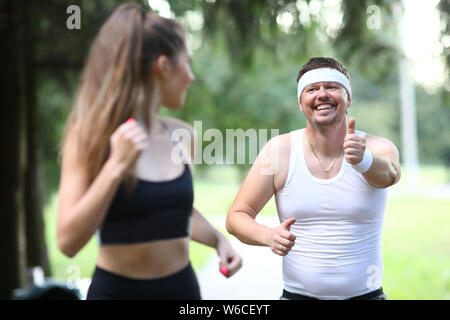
(246, 55)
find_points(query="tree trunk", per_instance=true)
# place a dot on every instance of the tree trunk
(12, 242)
(35, 243)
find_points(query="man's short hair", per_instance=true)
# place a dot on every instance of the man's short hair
(322, 62)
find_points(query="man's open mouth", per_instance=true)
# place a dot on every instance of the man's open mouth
(324, 106)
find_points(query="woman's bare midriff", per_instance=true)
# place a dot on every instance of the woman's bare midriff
(148, 260)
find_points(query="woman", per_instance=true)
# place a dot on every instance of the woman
(121, 178)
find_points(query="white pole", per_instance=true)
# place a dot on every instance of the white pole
(409, 153)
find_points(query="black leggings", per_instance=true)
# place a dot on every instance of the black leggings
(182, 285)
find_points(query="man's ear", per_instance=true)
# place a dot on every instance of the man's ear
(300, 105)
(162, 66)
(349, 101)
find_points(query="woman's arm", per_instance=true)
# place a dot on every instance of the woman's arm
(203, 232)
(82, 207)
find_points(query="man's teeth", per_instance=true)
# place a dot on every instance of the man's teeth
(324, 106)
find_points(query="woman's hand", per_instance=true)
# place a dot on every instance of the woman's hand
(127, 143)
(282, 240)
(230, 261)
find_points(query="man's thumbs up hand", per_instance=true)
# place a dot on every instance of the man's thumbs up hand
(282, 240)
(354, 145)
(351, 125)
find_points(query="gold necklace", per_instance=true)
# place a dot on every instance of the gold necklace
(318, 159)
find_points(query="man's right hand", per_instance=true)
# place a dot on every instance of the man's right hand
(282, 239)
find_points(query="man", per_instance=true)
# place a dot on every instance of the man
(330, 189)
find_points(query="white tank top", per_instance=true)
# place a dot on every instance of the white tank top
(337, 253)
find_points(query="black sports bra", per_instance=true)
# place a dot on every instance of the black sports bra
(154, 211)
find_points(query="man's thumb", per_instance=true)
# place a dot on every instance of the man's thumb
(288, 223)
(351, 125)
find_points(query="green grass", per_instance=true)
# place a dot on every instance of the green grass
(416, 246)
(416, 237)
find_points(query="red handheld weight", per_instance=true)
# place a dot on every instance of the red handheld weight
(224, 270)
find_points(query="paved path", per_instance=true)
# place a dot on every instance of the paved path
(260, 277)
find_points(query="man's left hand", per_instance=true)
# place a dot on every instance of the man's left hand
(354, 145)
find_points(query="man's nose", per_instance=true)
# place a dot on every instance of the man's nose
(322, 92)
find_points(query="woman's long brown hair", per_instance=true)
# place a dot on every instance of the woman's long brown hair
(117, 78)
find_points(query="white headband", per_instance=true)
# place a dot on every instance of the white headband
(322, 75)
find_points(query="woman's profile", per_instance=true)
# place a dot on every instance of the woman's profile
(119, 177)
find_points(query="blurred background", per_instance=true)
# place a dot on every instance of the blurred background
(246, 56)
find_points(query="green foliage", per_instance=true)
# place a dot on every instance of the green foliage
(433, 118)
(245, 65)
(444, 8)
(55, 101)
(372, 51)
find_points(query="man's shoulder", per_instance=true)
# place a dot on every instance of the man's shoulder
(281, 140)
(374, 142)
(376, 139)
(280, 145)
